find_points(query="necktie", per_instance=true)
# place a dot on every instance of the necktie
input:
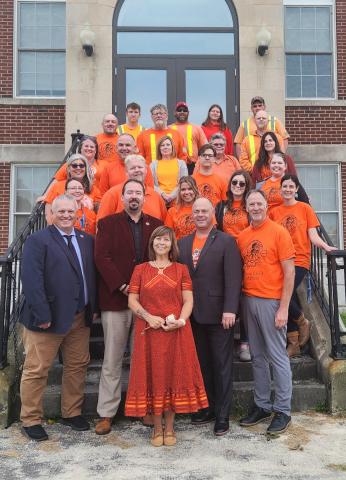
(81, 299)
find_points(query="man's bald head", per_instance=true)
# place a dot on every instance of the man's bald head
(261, 119)
(203, 215)
(109, 124)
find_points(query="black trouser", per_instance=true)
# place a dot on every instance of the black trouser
(295, 309)
(214, 347)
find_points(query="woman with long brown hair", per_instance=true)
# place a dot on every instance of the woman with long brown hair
(215, 123)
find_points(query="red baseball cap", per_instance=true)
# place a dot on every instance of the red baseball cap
(181, 104)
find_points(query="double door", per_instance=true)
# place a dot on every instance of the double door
(199, 82)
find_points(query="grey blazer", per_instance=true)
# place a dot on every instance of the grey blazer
(217, 278)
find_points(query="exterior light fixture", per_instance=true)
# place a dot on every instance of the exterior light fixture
(263, 38)
(87, 38)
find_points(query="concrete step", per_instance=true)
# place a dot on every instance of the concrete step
(307, 395)
(303, 368)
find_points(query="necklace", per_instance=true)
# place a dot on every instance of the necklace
(161, 269)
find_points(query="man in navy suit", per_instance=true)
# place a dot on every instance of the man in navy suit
(215, 267)
(59, 285)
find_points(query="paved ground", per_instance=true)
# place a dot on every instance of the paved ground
(314, 448)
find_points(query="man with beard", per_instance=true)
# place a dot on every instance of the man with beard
(106, 140)
(121, 244)
(193, 135)
(147, 140)
(136, 169)
(115, 173)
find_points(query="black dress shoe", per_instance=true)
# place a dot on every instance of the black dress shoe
(221, 426)
(279, 424)
(36, 432)
(77, 423)
(256, 415)
(202, 417)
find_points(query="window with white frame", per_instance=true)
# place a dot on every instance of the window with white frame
(322, 184)
(29, 182)
(41, 39)
(309, 51)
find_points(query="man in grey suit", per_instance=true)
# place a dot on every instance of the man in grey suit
(216, 271)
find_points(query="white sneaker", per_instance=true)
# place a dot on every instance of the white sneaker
(244, 353)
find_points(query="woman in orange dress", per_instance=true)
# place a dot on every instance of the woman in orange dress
(165, 376)
(86, 219)
(232, 218)
(179, 217)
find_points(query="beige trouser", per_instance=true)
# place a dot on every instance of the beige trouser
(41, 348)
(117, 327)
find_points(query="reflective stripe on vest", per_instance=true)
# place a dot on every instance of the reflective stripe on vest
(252, 149)
(272, 123)
(246, 127)
(120, 130)
(153, 145)
(188, 138)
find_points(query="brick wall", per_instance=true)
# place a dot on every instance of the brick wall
(307, 125)
(32, 124)
(341, 47)
(6, 46)
(5, 171)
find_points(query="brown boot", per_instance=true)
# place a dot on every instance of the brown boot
(304, 330)
(293, 349)
(103, 426)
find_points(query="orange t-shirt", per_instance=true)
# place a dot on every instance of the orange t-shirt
(263, 249)
(107, 147)
(279, 130)
(147, 141)
(134, 131)
(111, 203)
(245, 160)
(96, 168)
(58, 188)
(226, 168)
(179, 218)
(297, 219)
(86, 221)
(197, 247)
(272, 189)
(211, 186)
(235, 220)
(115, 173)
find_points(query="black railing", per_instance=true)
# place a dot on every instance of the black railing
(324, 268)
(10, 263)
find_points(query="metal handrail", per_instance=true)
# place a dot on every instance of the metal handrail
(11, 300)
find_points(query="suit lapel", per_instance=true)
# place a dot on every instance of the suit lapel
(62, 244)
(209, 241)
(188, 247)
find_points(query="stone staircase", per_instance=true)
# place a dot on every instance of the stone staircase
(309, 393)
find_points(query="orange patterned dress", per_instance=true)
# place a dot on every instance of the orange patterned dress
(165, 373)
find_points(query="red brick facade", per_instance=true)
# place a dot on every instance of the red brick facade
(5, 171)
(32, 124)
(6, 48)
(341, 47)
(308, 125)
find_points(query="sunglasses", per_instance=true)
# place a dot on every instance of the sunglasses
(238, 182)
(77, 165)
(182, 109)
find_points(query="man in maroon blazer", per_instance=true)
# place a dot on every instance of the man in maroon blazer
(121, 244)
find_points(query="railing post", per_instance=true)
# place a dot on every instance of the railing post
(3, 310)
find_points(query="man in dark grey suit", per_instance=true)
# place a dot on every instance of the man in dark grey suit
(216, 270)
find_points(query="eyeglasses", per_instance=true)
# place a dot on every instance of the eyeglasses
(156, 114)
(218, 144)
(238, 182)
(76, 189)
(77, 165)
(207, 155)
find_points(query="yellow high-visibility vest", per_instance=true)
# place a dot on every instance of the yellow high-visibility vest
(271, 125)
(188, 138)
(153, 145)
(252, 149)
(121, 130)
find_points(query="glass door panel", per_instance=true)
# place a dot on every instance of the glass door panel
(203, 88)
